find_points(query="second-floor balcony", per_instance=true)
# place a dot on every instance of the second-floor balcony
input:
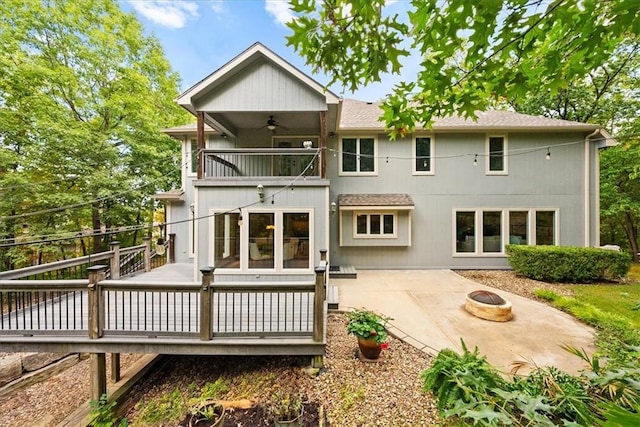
(261, 162)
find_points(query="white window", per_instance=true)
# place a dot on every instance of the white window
(192, 156)
(358, 156)
(423, 149)
(496, 155)
(488, 231)
(268, 241)
(375, 225)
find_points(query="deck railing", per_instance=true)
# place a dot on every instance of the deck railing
(120, 262)
(260, 162)
(101, 308)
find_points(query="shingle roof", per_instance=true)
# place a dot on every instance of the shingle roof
(358, 115)
(375, 200)
(175, 195)
(188, 128)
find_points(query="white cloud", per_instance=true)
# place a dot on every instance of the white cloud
(172, 14)
(279, 9)
(217, 6)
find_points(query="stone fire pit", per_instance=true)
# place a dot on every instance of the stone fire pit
(489, 306)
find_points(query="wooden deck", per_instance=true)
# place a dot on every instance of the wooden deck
(161, 311)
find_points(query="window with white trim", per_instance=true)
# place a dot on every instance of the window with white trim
(358, 156)
(375, 224)
(487, 231)
(262, 240)
(192, 156)
(545, 227)
(496, 154)
(423, 148)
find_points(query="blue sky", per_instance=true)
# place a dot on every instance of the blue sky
(200, 36)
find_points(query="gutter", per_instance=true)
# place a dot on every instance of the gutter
(587, 188)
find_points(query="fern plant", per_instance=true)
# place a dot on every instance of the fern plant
(461, 381)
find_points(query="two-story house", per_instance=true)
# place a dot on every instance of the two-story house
(277, 168)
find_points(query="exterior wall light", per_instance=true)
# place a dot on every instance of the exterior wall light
(261, 192)
(307, 144)
(334, 207)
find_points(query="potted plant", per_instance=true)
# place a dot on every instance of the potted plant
(208, 413)
(286, 409)
(370, 329)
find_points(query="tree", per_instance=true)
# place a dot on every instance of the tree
(473, 53)
(609, 96)
(83, 96)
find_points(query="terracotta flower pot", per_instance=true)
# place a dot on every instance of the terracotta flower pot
(369, 348)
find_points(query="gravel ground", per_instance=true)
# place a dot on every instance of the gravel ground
(52, 400)
(506, 280)
(353, 393)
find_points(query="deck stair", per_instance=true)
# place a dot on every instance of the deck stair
(343, 272)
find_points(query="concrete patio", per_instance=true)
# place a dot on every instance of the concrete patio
(428, 311)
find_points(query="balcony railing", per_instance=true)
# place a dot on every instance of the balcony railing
(261, 162)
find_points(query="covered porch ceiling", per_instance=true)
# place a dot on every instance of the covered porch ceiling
(285, 121)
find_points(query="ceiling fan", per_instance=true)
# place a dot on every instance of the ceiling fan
(272, 124)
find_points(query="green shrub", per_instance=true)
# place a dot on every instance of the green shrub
(567, 263)
(461, 378)
(468, 387)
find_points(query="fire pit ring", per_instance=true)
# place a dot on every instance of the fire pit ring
(488, 305)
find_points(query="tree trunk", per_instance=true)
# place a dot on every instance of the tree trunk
(632, 234)
(95, 220)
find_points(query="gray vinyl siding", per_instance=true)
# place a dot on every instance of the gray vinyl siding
(262, 86)
(531, 183)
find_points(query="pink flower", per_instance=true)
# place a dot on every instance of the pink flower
(384, 345)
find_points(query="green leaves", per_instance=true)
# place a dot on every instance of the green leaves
(85, 96)
(474, 53)
(368, 324)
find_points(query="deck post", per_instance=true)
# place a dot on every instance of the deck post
(115, 367)
(115, 260)
(318, 304)
(206, 296)
(172, 248)
(96, 302)
(97, 361)
(147, 253)
(98, 375)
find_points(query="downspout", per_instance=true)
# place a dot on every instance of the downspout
(587, 188)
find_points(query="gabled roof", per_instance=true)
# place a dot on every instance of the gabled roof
(253, 53)
(358, 115)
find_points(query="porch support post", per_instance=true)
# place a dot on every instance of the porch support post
(318, 303)
(115, 260)
(200, 141)
(323, 144)
(172, 248)
(97, 361)
(206, 296)
(147, 253)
